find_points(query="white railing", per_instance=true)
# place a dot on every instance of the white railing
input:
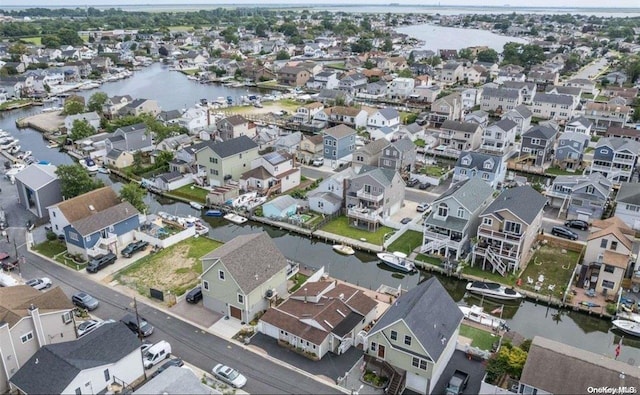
(345, 345)
(369, 215)
(368, 196)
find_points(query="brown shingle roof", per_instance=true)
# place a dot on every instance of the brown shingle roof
(615, 259)
(348, 111)
(340, 131)
(291, 324)
(78, 207)
(15, 302)
(615, 221)
(611, 230)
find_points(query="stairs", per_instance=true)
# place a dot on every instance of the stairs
(434, 245)
(397, 380)
(496, 262)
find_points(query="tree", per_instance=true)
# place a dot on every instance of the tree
(69, 37)
(75, 181)
(406, 73)
(96, 101)
(73, 107)
(361, 46)
(163, 51)
(81, 130)
(50, 41)
(465, 53)
(163, 159)
(282, 55)
(16, 51)
(488, 55)
(387, 46)
(133, 194)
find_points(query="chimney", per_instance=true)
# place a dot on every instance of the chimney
(305, 295)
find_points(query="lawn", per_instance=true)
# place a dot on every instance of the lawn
(433, 171)
(32, 40)
(182, 28)
(509, 279)
(12, 103)
(337, 65)
(555, 266)
(175, 269)
(406, 243)
(480, 339)
(190, 71)
(298, 280)
(50, 248)
(340, 226)
(556, 171)
(192, 193)
(432, 260)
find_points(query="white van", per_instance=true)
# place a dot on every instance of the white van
(156, 353)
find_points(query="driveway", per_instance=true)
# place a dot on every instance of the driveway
(195, 313)
(459, 360)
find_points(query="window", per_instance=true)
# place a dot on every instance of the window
(205, 285)
(419, 363)
(512, 227)
(443, 210)
(73, 236)
(614, 245)
(78, 391)
(463, 172)
(485, 176)
(394, 335)
(603, 243)
(633, 207)
(320, 205)
(608, 284)
(373, 347)
(221, 275)
(407, 340)
(26, 337)
(66, 317)
(604, 151)
(487, 221)
(241, 298)
(535, 141)
(609, 268)
(107, 376)
(460, 212)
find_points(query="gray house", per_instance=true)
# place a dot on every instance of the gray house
(615, 158)
(38, 188)
(328, 197)
(537, 144)
(400, 156)
(369, 155)
(339, 141)
(489, 168)
(571, 148)
(521, 115)
(581, 196)
(130, 138)
(454, 219)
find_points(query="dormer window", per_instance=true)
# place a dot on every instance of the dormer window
(443, 210)
(488, 165)
(604, 151)
(466, 161)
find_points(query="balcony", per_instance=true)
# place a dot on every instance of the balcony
(489, 233)
(501, 252)
(442, 239)
(369, 196)
(366, 214)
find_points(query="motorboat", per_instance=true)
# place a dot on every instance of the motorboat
(14, 169)
(23, 155)
(629, 327)
(53, 145)
(477, 314)
(235, 218)
(14, 150)
(629, 316)
(343, 249)
(196, 205)
(255, 202)
(493, 290)
(9, 144)
(89, 164)
(4, 134)
(201, 230)
(214, 213)
(242, 200)
(397, 260)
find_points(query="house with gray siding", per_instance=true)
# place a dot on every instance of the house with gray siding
(552, 106)
(579, 124)
(328, 197)
(38, 188)
(570, 150)
(628, 204)
(491, 169)
(537, 144)
(500, 100)
(499, 137)
(460, 136)
(369, 154)
(581, 197)
(131, 138)
(400, 156)
(339, 141)
(527, 89)
(521, 115)
(244, 276)
(227, 160)
(616, 158)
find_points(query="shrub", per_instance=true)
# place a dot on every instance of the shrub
(51, 236)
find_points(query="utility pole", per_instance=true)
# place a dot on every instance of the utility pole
(140, 337)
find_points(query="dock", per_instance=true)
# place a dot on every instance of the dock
(46, 122)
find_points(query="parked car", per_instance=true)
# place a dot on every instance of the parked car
(577, 224)
(229, 376)
(195, 295)
(317, 162)
(40, 283)
(567, 233)
(172, 362)
(423, 207)
(86, 327)
(424, 185)
(100, 262)
(156, 353)
(405, 220)
(457, 383)
(412, 182)
(85, 301)
(131, 321)
(134, 247)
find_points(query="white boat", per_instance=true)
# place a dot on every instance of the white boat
(52, 109)
(196, 205)
(14, 150)
(104, 170)
(255, 202)
(242, 200)
(9, 144)
(4, 134)
(344, 249)
(477, 314)
(89, 164)
(14, 169)
(493, 290)
(201, 229)
(235, 218)
(397, 260)
(53, 145)
(630, 327)
(23, 155)
(624, 315)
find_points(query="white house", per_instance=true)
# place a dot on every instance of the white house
(384, 117)
(400, 88)
(92, 118)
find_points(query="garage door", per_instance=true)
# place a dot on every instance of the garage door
(584, 217)
(235, 312)
(417, 383)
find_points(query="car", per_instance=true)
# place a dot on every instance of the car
(86, 327)
(100, 262)
(424, 185)
(567, 233)
(229, 376)
(405, 220)
(195, 295)
(423, 207)
(85, 301)
(40, 283)
(412, 182)
(577, 224)
(172, 362)
(131, 321)
(134, 247)
(317, 162)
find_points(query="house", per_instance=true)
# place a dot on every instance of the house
(38, 188)
(551, 106)
(272, 172)
(288, 143)
(454, 219)
(333, 97)
(293, 76)
(607, 257)
(88, 365)
(114, 104)
(425, 94)
(499, 137)
(384, 117)
(521, 115)
(605, 115)
(65, 212)
(446, 108)
(400, 88)
(92, 118)
(527, 89)
(492, 169)
(451, 73)
(576, 93)
(175, 381)
(310, 147)
(171, 181)
(241, 277)
(369, 155)
(579, 124)
(480, 117)
(373, 194)
(586, 85)
(470, 97)
(374, 91)
(280, 208)
(508, 229)
(412, 131)
(500, 100)
(320, 317)
(350, 116)
(138, 107)
(633, 134)
(582, 197)
(537, 144)
(339, 141)
(570, 150)
(616, 158)
(417, 336)
(352, 83)
(235, 126)
(327, 79)
(31, 320)
(475, 75)
(226, 160)
(400, 156)
(118, 159)
(305, 114)
(328, 197)
(460, 136)
(628, 204)
(131, 138)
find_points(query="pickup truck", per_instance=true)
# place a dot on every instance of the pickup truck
(457, 383)
(134, 247)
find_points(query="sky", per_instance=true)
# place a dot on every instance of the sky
(512, 3)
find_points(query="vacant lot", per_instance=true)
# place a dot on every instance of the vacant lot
(555, 265)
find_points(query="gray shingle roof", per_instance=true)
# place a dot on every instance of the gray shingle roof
(404, 144)
(104, 218)
(574, 136)
(233, 146)
(505, 124)
(523, 110)
(581, 120)
(512, 200)
(53, 367)
(175, 380)
(340, 131)
(471, 193)
(629, 193)
(429, 312)
(540, 132)
(477, 161)
(132, 128)
(620, 144)
(250, 259)
(374, 147)
(171, 176)
(36, 176)
(467, 127)
(504, 93)
(565, 100)
(114, 154)
(383, 175)
(389, 113)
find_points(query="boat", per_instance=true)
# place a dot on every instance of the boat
(629, 316)
(196, 205)
(9, 144)
(89, 164)
(53, 145)
(477, 314)
(201, 230)
(493, 290)
(241, 200)
(255, 202)
(589, 304)
(235, 218)
(397, 260)
(213, 213)
(14, 169)
(24, 155)
(4, 134)
(14, 150)
(343, 249)
(630, 327)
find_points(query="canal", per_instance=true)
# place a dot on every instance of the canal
(174, 91)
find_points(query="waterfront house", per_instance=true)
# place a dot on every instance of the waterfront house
(138, 107)
(374, 91)
(579, 124)
(551, 106)
(628, 204)
(400, 155)
(373, 194)
(460, 136)
(349, 116)
(451, 73)
(227, 160)
(304, 114)
(330, 97)
(92, 118)
(480, 117)
(586, 85)
(242, 277)
(606, 115)
(446, 108)
(280, 208)
(416, 337)
(616, 158)
(500, 100)
(339, 141)
(88, 365)
(65, 212)
(425, 94)
(38, 188)
(400, 88)
(114, 104)
(328, 197)
(537, 144)
(310, 147)
(327, 79)
(369, 154)
(320, 317)
(492, 169)
(293, 76)
(508, 229)
(570, 150)
(385, 117)
(470, 97)
(171, 181)
(132, 138)
(235, 126)
(527, 89)
(289, 142)
(118, 159)
(521, 115)
(499, 137)
(412, 131)
(582, 197)
(353, 83)
(275, 172)
(31, 320)
(454, 219)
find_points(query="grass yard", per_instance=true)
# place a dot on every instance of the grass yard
(406, 243)
(432, 260)
(13, 103)
(481, 339)
(33, 40)
(192, 193)
(433, 171)
(182, 28)
(556, 171)
(555, 266)
(175, 269)
(340, 226)
(509, 279)
(50, 248)
(298, 280)
(337, 65)
(190, 71)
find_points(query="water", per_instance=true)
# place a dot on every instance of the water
(441, 37)
(527, 318)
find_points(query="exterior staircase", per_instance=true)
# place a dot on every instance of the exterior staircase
(434, 245)
(397, 380)
(497, 262)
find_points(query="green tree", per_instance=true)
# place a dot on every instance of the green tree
(16, 51)
(75, 181)
(96, 101)
(69, 37)
(361, 46)
(488, 55)
(73, 107)
(81, 130)
(283, 55)
(133, 194)
(163, 159)
(406, 73)
(465, 53)
(50, 41)
(387, 46)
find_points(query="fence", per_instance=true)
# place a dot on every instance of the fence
(169, 241)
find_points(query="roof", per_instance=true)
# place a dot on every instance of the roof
(340, 131)
(574, 136)
(550, 363)
(511, 199)
(629, 192)
(251, 259)
(277, 157)
(282, 202)
(505, 124)
(523, 110)
(86, 204)
(404, 144)
(383, 175)
(233, 146)
(170, 176)
(132, 128)
(597, 180)
(615, 228)
(36, 176)
(541, 132)
(428, 303)
(389, 113)
(499, 92)
(114, 154)
(467, 127)
(54, 366)
(566, 100)
(477, 161)
(374, 147)
(102, 219)
(15, 302)
(470, 193)
(616, 259)
(620, 144)
(235, 120)
(175, 380)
